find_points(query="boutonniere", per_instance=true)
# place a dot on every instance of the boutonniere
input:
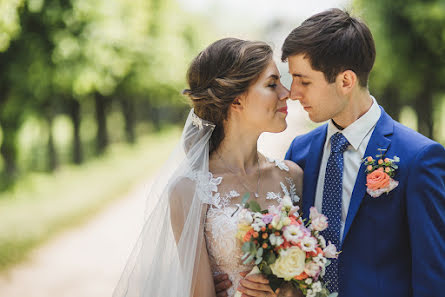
(379, 174)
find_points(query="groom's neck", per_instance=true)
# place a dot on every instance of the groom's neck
(358, 104)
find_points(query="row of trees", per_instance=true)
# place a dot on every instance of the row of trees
(410, 64)
(62, 56)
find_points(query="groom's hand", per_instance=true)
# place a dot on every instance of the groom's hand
(222, 283)
(256, 285)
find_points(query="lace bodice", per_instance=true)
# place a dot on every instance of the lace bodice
(222, 221)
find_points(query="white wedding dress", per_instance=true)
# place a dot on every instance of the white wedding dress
(222, 221)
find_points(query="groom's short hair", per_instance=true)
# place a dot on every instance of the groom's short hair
(334, 42)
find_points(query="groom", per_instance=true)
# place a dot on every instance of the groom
(391, 245)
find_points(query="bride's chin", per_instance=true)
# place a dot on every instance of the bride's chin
(277, 129)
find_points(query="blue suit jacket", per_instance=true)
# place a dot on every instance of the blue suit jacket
(393, 245)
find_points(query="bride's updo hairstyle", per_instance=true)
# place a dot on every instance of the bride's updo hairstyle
(219, 74)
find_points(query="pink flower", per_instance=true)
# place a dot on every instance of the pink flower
(319, 222)
(330, 251)
(312, 269)
(267, 218)
(377, 180)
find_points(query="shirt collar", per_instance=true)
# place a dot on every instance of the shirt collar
(357, 131)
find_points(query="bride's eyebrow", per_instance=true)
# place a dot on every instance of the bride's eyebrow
(274, 76)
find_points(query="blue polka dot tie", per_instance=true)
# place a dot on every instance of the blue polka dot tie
(332, 201)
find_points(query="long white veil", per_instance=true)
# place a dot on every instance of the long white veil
(160, 263)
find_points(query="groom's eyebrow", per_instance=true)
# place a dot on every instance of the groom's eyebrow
(300, 75)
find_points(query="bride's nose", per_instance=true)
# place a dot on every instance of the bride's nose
(283, 93)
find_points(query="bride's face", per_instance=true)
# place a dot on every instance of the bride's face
(264, 107)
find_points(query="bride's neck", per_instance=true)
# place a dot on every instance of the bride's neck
(238, 150)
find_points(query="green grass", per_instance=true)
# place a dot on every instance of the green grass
(42, 205)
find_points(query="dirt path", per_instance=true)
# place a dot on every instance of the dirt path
(87, 261)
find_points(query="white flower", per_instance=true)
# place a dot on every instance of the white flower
(310, 293)
(308, 244)
(258, 224)
(312, 269)
(275, 210)
(290, 263)
(316, 287)
(320, 260)
(322, 241)
(245, 217)
(276, 240)
(294, 233)
(308, 281)
(287, 202)
(276, 222)
(286, 221)
(330, 251)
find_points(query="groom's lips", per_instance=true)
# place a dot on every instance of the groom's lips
(283, 110)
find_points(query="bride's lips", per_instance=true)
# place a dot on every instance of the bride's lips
(283, 110)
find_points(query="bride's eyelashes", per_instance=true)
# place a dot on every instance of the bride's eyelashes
(273, 86)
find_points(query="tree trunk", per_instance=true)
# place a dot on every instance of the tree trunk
(101, 119)
(127, 105)
(51, 148)
(390, 100)
(8, 150)
(74, 113)
(424, 110)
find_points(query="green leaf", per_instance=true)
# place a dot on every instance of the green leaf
(247, 246)
(259, 253)
(266, 269)
(270, 258)
(275, 282)
(254, 206)
(258, 260)
(246, 197)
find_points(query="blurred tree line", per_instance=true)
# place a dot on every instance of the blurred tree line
(102, 69)
(410, 63)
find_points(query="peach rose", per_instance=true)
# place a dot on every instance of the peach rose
(370, 159)
(377, 180)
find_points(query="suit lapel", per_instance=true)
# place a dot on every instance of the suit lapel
(312, 168)
(379, 139)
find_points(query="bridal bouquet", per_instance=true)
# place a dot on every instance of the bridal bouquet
(284, 247)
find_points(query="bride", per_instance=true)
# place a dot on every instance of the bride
(189, 237)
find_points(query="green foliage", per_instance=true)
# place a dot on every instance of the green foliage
(54, 53)
(410, 65)
(42, 205)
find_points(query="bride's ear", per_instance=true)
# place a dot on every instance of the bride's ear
(237, 104)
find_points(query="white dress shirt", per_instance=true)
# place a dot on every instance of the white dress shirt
(358, 135)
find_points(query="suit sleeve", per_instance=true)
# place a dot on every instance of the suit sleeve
(426, 219)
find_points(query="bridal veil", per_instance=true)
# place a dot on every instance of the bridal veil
(166, 254)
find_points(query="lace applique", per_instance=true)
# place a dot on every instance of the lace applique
(207, 184)
(198, 122)
(279, 164)
(225, 200)
(291, 192)
(274, 196)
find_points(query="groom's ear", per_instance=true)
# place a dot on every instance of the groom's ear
(346, 81)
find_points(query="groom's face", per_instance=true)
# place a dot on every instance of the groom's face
(319, 98)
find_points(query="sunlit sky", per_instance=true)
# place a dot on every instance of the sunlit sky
(266, 20)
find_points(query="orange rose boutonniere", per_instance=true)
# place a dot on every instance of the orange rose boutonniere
(379, 174)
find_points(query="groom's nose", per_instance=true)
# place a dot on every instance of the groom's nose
(295, 93)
